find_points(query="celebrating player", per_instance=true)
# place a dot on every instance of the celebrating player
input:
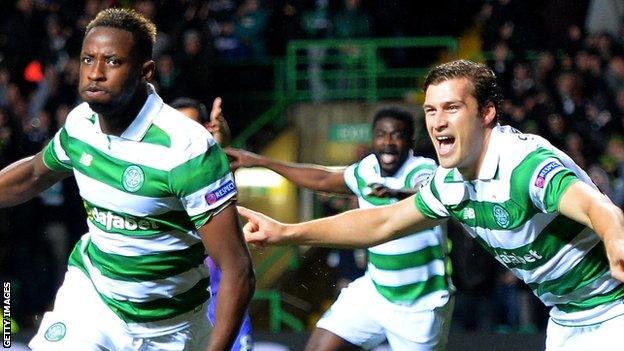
(158, 193)
(524, 200)
(404, 297)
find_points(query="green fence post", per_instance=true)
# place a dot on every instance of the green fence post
(371, 69)
(275, 303)
(291, 70)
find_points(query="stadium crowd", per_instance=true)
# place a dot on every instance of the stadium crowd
(564, 80)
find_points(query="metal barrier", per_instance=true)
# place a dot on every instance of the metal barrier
(277, 314)
(321, 70)
(355, 69)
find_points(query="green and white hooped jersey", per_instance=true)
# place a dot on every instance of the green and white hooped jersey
(146, 193)
(410, 270)
(511, 209)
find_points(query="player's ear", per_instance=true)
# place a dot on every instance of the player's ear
(489, 114)
(147, 70)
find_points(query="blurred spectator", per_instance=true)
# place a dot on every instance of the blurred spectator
(228, 44)
(167, 78)
(556, 18)
(508, 21)
(546, 72)
(589, 68)
(196, 66)
(501, 63)
(573, 41)
(600, 177)
(605, 16)
(352, 21)
(317, 24)
(607, 47)
(251, 22)
(569, 96)
(556, 130)
(148, 9)
(56, 39)
(522, 84)
(614, 75)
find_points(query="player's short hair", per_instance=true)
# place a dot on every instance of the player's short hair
(185, 102)
(486, 89)
(399, 114)
(142, 29)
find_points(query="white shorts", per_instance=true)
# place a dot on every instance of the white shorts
(601, 336)
(364, 318)
(81, 321)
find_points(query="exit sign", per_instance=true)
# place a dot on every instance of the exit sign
(354, 133)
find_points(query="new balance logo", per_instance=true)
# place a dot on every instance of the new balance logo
(86, 159)
(469, 213)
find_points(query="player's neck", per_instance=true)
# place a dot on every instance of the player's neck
(115, 123)
(471, 171)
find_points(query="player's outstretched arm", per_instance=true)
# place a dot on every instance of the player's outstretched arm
(217, 126)
(313, 177)
(587, 205)
(24, 179)
(351, 229)
(382, 191)
(224, 241)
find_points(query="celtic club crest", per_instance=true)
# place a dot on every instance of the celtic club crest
(133, 178)
(501, 216)
(55, 332)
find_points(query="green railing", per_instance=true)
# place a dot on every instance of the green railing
(342, 69)
(277, 314)
(356, 69)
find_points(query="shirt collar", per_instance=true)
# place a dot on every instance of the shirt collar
(489, 166)
(139, 126)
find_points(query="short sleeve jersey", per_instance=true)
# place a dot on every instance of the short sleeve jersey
(146, 193)
(511, 209)
(412, 268)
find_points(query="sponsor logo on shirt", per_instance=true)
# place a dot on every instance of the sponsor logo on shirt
(112, 221)
(221, 192)
(541, 176)
(511, 259)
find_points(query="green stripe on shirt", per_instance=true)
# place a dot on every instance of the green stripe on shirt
(407, 260)
(146, 267)
(410, 292)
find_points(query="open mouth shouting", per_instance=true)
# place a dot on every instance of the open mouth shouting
(389, 157)
(445, 144)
